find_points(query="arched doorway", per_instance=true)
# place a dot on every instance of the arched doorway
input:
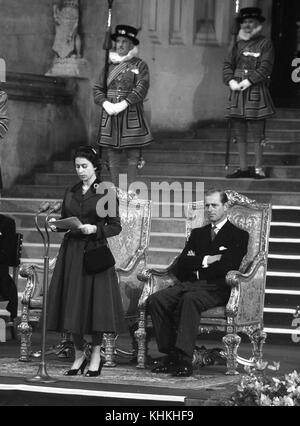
(285, 35)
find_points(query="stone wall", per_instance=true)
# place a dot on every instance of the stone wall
(42, 122)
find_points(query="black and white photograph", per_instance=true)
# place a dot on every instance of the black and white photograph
(149, 205)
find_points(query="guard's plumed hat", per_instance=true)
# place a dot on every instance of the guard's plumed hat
(250, 13)
(126, 31)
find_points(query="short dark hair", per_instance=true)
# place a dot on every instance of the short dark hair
(90, 153)
(223, 195)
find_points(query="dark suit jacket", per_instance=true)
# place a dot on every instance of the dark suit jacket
(8, 289)
(7, 239)
(234, 239)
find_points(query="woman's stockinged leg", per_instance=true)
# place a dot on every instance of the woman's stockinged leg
(80, 356)
(96, 352)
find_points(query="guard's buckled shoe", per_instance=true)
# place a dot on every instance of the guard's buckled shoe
(239, 174)
(259, 173)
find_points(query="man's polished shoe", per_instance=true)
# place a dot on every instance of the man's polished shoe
(166, 366)
(185, 369)
(239, 174)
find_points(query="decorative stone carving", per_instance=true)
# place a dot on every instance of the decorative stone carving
(67, 43)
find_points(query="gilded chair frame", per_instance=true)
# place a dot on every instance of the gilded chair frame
(244, 310)
(131, 259)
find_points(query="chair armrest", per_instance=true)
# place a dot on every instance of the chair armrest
(247, 290)
(34, 286)
(138, 255)
(155, 280)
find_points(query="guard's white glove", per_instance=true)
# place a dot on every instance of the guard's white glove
(234, 85)
(109, 107)
(244, 84)
(51, 225)
(120, 106)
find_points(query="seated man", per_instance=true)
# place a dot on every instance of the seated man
(208, 255)
(8, 289)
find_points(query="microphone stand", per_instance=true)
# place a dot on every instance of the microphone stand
(42, 376)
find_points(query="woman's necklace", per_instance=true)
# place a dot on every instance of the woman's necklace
(87, 184)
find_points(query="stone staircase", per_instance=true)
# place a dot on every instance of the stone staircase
(186, 160)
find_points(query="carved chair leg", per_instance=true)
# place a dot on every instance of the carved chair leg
(140, 335)
(258, 339)
(109, 343)
(25, 330)
(231, 342)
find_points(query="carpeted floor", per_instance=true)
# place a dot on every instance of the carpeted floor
(124, 384)
(122, 374)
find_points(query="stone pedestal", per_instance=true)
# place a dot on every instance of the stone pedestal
(69, 67)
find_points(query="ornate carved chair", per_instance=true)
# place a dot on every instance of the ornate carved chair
(14, 262)
(244, 310)
(130, 251)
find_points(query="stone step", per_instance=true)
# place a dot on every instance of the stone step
(288, 298)
(283, 279)
(285, 230)
(206, 156)
(287, 113)
(283, 123)
(276, 334)
(284, 245)
(36, 250)
(43, 192)
(31, 235)
(26, 220)
(52, 179)
(280, 214)
(165, 255)
(282, 315)
(285, 214)
(290, 262)
(277, 134)
(26, 206)
(173, 146)
(174, 239)
(193, 169)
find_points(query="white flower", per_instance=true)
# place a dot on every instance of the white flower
(288, 401)
(265, 400)
(135, 71)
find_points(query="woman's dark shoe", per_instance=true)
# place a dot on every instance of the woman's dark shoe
(74, 371)
(239, 174)
(96, 373)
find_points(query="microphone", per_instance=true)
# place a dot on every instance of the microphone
(54, 208)
(44, 207)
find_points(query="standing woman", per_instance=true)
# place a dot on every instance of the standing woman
(81, 303)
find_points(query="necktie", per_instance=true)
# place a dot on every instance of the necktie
(213, 231)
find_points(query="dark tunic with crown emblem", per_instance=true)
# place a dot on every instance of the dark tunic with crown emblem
(253, 60)
(129, 129)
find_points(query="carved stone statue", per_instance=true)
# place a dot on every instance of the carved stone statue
(67, 42)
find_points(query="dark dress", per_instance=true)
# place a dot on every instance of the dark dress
(78, 302)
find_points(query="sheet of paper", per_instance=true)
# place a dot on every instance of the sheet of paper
(68, 223)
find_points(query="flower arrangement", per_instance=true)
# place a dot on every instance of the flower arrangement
(261, 390)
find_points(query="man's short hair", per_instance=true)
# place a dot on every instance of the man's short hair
(223, 195)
